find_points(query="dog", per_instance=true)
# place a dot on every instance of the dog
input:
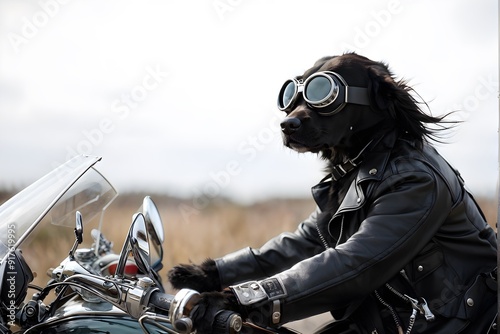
(341, 136)
(355, 114)
(336, 138)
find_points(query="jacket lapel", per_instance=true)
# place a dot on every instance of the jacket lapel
(372, 169)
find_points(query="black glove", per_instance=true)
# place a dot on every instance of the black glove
(210, 303)
(202, 278)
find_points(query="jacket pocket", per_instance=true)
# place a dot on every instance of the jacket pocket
(435, 281)
(426, 263)
(479, 297)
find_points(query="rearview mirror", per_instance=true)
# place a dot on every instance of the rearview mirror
(136, 242)
(155, 230)
(139, 243)
(152, 217)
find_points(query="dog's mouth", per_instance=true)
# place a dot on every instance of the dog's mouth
(299, 146)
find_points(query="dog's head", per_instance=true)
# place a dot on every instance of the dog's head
(318, 119)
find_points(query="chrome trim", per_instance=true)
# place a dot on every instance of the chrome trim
(76, 308)
(79, 307)
(181, 307)
(296, 87)
(156, 321)
(332, 94)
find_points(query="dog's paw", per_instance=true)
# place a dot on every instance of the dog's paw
(207, 307)
(202, 278)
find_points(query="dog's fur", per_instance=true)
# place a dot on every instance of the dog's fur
(343, 135)
(202, 278)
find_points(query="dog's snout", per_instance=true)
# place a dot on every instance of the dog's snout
(290, 125)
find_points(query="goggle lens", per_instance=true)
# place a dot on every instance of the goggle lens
(318, 89)
(288, 94)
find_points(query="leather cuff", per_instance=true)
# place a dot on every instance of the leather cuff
(254, 293)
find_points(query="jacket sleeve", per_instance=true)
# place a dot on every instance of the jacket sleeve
(276, 255)
(403, 214)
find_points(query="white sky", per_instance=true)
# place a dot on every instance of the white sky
(179, 96)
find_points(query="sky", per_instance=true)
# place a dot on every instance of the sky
(180, 96)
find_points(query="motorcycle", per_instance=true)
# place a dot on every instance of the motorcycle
(92, 290)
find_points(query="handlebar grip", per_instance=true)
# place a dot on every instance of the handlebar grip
(227, 322)
(161, 301)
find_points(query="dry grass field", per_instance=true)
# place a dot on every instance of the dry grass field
(191, 233)
(221, 227)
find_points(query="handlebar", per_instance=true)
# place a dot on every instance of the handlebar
(227, 322)
(179, 307)
(136, 298)
(161, 301)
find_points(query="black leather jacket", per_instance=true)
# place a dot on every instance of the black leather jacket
(405, 226)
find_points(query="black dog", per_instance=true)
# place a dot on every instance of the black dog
(390, 211)
(342, 137)
(335, 139)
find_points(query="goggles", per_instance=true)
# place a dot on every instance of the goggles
(325, 91)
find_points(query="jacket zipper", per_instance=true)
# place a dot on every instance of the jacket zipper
(407, 299)
(416, 306)
(422, 307)
(322, 238)
(391, 309)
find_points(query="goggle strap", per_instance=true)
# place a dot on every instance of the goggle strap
(340, 170)
(357, 95)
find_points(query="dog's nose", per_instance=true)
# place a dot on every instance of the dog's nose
(290, 125)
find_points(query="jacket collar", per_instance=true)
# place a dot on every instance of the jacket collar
(372, 168)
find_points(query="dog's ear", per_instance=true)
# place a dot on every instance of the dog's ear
(395, 99)
(382, 88)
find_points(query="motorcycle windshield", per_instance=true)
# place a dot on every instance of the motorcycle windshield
(55, 198)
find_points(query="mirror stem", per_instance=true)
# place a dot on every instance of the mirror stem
(78, 235)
